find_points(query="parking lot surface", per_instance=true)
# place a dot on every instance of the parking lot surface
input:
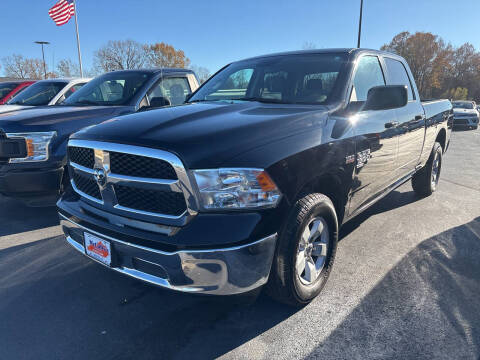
(406, 284)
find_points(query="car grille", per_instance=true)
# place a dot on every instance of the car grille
(460, 121)
(87, 185)
(143, 184)
(141, 166)
(163, 202)
(82, 156)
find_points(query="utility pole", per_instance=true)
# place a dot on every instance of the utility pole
(360, 24)
(43, 57)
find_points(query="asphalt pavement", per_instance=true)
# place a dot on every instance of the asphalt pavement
(405, 285)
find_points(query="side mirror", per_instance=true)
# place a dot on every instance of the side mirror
(386, 97)
(159, 101)
(188, 97)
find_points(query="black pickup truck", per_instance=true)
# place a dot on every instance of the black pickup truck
(248, 183)
(33, 142)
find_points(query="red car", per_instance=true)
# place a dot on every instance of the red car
(9, 89)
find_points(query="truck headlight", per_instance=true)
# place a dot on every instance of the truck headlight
(236, 189)
(37, 144)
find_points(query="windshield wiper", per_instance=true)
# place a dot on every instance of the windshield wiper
(84, 102)
(263, 100)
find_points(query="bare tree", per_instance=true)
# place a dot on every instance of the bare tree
(23, 68)
(120, 55)
(165, 55)
(202, 73)
(308, 45)
(67, 68)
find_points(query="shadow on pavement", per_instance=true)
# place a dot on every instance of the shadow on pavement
(16, 217)
(435, 286)
(57, 304)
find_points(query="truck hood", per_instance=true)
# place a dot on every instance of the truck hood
(55, 118)
(458, 111)
(205, 135)
(8, 108)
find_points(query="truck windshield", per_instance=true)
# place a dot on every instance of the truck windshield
(117, 88)
(286, 79)
(40, 93)
(462, 105)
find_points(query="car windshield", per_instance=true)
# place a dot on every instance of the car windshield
(462, 105)
(40, 93)
(286, 79)
(6, 88)
(116, 88)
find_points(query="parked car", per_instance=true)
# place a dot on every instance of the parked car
(249, 182)
(33, 150)
(44, 93)
(465, 114)
(9, 89)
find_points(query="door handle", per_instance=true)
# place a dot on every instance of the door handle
(418, 117)
(391, 124)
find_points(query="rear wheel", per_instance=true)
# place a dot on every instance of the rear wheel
(425, 182)
(305, 252)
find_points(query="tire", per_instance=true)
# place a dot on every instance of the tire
(425, 181)
(286, 284)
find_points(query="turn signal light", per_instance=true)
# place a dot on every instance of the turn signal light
(265, 182)
(30, 147)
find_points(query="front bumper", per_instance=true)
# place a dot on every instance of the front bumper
(465, 121)
(221, 271)
(24, 183)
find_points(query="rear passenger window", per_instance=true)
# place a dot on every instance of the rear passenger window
(397, 75)
(368, 74)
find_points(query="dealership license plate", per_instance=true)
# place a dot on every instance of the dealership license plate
(98, 248)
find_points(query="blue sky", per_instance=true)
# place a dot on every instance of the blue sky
(213, 33)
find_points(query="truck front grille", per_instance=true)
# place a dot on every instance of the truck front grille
(140, 166)
(132, 179)
(163, 202)
(81, 156)
(87, 185)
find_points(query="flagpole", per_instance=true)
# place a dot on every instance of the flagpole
(78, 40)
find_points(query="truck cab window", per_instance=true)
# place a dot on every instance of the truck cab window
(368, 74)
(397, 75)
(173, 89)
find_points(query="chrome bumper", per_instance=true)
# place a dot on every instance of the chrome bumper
(224, 271)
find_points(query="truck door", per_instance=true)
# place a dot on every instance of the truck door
(411, 119)
(376, 137)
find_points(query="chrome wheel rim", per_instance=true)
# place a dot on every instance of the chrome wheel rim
(312, 250)
(435, 170)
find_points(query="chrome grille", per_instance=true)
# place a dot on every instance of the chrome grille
(131, 180)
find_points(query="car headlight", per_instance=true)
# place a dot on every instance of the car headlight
(236, 189)
(37, 144)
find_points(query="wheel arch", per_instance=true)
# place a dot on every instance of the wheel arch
(330, 185)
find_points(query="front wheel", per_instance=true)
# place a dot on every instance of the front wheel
(305, 252)
(425, 182)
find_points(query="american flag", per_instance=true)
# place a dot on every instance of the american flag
(62, 11)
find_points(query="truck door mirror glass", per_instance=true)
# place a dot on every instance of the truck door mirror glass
(386, 97)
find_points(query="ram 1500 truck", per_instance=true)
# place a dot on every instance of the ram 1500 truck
(33, 143)
(248, 183)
